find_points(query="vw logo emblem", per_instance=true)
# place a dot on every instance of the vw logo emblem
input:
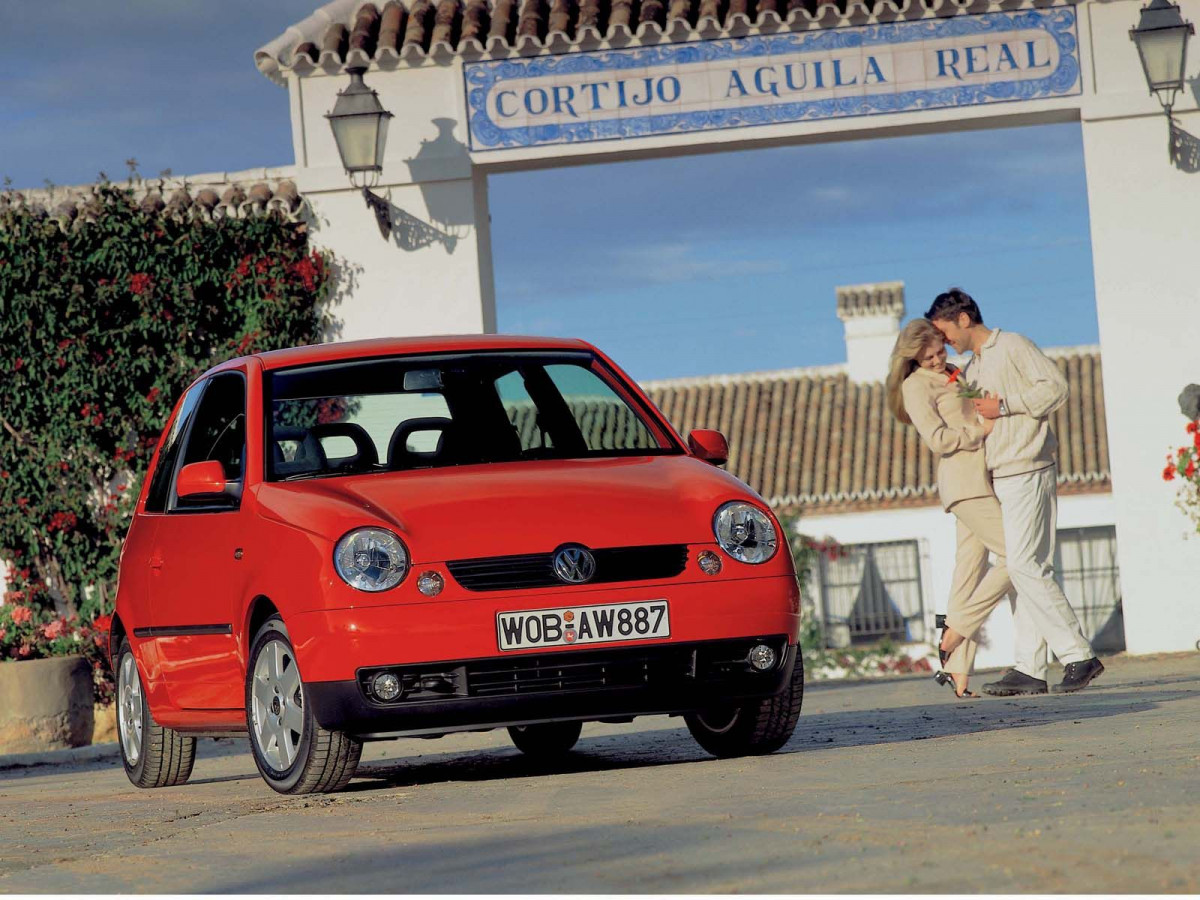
(574, 565)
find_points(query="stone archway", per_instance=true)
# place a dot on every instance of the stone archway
(492, 85)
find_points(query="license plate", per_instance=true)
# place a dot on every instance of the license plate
(583, 624)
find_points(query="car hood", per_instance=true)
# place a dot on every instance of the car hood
(510, 508)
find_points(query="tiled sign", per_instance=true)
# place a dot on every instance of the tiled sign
(769, 79)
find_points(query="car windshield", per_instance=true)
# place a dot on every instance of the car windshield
(401, 413)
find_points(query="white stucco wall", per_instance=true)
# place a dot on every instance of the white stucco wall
(934, 531)
(1144, 225)
(434, 275)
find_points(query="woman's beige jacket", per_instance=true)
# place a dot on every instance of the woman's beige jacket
(950, 428)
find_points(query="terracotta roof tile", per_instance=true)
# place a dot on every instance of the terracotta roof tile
(218, 195)
(353, 32)
(811, 438)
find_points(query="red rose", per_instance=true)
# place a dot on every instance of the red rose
(1196, 440)
(1169, 473)
(953, 376)
(103, 623)
(1191, 469)
(1191, 427)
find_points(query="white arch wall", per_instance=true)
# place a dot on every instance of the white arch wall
(1143, 221)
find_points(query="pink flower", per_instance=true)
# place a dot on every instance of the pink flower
(24, 650)
(54, 629)
(3, 633)
(21, 615)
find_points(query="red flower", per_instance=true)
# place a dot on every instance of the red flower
(153, 395)
(139, 283)
(3, 633)
(17, 366)
(1169, 473)
(1191, 427)
(22, 502)
(64, 344)
(953, 376)
(103, 623)
(1196, 440)
(1191, 469)
(24, 650)
(61, 521)
(21, 615)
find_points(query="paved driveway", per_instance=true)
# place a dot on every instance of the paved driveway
(886, 787)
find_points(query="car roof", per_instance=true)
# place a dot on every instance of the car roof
(391, 346)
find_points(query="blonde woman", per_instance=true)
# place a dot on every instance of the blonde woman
(923, 391)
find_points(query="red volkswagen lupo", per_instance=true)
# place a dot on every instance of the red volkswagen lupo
(367, 540)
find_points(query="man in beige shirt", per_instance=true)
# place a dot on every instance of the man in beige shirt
(1022, 388)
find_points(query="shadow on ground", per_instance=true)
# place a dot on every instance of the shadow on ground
(820, 731)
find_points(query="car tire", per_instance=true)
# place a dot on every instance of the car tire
(153, 756)
(546, 740)
(294, 754)
(754, 728)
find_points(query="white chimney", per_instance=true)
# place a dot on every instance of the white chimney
(871, 314)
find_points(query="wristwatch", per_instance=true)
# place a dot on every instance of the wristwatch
(1003, 407)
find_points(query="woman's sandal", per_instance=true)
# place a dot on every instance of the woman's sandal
(945, 678)
(939, 621)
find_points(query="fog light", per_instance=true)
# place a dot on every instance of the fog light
(761, 657)
(430, 584)
(710, 563)
(386, 686)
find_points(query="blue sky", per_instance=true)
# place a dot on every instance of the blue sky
(717, 263)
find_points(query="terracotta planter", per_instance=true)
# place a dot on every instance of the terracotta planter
(45, 704)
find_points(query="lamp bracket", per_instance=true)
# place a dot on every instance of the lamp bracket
(383, 212)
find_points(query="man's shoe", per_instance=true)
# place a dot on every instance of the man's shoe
(1014, 683)
(1078, 675)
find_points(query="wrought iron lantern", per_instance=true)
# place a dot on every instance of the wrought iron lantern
(360, 124)
(1161, 37)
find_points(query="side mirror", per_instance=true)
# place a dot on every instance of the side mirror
(202, 479)
(709, 446)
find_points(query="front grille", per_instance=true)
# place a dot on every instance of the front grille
(652, 666)
(534, 570)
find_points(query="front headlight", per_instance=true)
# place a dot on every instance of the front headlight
(371, 559)
(745, 532)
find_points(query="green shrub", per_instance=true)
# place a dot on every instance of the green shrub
(103, 324)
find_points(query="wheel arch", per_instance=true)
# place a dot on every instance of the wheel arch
(116, 634)
(258, 611)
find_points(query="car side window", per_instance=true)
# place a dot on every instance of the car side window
(160, 479)
(218, 433)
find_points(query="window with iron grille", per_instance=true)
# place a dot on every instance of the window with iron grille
(1085, 563)
(873, 592)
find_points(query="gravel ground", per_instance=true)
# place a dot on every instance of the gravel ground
(886, 787)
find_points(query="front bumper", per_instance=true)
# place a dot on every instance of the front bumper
(333, 645)
(580, 685)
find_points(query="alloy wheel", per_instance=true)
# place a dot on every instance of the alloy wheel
(129, 713)
(278, 705)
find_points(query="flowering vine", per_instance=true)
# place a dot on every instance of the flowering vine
(103, 325)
